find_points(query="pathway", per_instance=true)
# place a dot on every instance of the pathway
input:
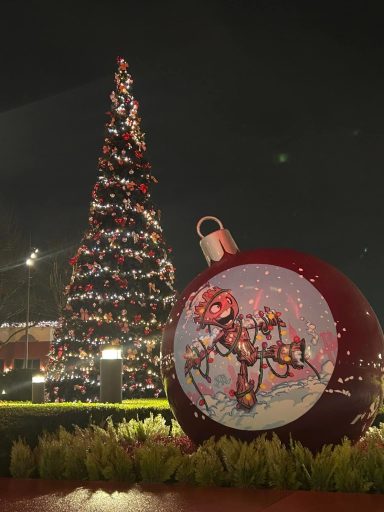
(64, 496)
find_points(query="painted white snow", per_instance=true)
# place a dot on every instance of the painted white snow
(284, 403)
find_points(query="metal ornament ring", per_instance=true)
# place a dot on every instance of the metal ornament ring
(203, 219)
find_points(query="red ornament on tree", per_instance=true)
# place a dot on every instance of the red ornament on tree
(73, 260)
(295, 343)
(121, 221)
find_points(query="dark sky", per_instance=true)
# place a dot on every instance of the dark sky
(225, 87)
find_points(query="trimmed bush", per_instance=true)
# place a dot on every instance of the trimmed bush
(28, 421)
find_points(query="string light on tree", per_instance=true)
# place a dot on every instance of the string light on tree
(121, 289)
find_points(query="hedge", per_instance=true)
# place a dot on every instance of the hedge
(26, 420)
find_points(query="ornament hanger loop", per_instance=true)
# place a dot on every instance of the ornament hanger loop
(203, 219)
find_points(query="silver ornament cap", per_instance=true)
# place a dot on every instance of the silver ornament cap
(216, 244)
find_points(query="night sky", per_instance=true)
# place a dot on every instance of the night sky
(267, 114)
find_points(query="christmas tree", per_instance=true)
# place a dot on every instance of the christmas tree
(121, 289)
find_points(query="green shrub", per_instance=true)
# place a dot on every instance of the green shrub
(302, 459)
(371, 449)
(23, 463)
(176, 430)
(155, 426)
(323, 469)
(157, 463)
(131, 431)
(185, 473)
(379, 418)
(209, 470)
(146, 451)
(139, 431)
(349, 474)
(244, 462)
(50, 454)
(106, 459)
(373, 463)
(75, 447)
(373, 436)
(281, 468)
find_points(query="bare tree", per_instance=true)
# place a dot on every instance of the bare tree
(49, 276)
(12, 269)
(59, 276)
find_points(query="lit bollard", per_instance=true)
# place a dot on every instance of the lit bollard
(111, 380)
(38, 389)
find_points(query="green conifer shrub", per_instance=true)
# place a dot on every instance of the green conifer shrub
(244, 462)
(157, 463)
(50, 455)
(281, 468)
(349, 474)
(209, 469)
(23, 464)
(106, 459)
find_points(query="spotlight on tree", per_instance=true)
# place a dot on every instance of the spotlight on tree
(38, 389)
(111, 371)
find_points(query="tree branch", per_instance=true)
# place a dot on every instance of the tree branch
(3, 343)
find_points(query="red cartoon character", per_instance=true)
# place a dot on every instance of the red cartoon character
(218, 308)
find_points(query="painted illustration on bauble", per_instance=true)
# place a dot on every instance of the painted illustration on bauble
(256, 347)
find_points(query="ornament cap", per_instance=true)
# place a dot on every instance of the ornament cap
(216, 244)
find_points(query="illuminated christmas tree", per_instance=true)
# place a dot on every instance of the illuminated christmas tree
(121, 288)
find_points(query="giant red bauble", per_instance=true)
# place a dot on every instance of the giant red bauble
(313, 371)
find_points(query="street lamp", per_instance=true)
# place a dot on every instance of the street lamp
(38, 389)
(111, 369)
(29, 263)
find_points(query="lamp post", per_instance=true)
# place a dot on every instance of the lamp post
(38, 389)
(29, 264)
(111, 370)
